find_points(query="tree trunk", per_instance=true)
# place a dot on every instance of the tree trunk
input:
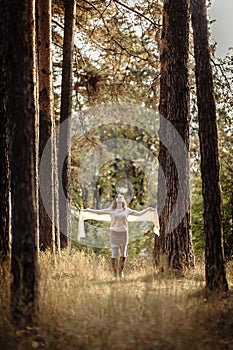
(19, 42)
(66, 106)
(4, 162)
(46, 122)
(214, 256)
(160, 242)
(174, 106)
(56, 195)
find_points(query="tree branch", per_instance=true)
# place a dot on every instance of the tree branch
(219, 66)
(158, 26)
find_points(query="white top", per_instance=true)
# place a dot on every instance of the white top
(118, 218)
(119, 222)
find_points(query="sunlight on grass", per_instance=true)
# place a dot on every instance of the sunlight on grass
(83, 307)
(83, 304)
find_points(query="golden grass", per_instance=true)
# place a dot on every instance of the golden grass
(82, 307)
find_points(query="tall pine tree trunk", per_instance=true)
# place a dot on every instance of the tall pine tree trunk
(56, 194)
(214, 256)
(46, 121)
(19, 42)
(160, 241)
(66, 107)
(174, 106)
(4, 162)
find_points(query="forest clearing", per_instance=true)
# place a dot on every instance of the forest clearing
(116, 138)
(83, 307)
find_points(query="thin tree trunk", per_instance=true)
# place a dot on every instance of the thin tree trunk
(4, 161)
(36, 137)
(66, 107)
(56, 195)
(160, 242)
(44, 41)
(214, 255)
(19, 42)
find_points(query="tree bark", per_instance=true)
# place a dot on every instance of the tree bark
(46, 121)
(214, 255)
(160, 241)
(174, 106)
(19, 42)
(4, 161)
(66, 106)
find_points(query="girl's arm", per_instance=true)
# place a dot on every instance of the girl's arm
(139, 212)
(97, 211)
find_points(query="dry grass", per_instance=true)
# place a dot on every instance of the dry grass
(83, 308)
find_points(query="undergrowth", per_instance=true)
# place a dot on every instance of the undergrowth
(82, 307)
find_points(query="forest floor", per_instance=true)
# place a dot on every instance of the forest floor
(82, 307)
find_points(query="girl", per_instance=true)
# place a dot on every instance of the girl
(119, 236)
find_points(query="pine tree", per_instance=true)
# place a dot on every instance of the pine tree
(214, 255)
(174, 107)
(66, 106)
(19, 40)
(4, 162)
(46, 122)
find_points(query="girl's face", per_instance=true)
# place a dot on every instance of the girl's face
(119, 198)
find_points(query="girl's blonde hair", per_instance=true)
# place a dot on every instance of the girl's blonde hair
(114, 203)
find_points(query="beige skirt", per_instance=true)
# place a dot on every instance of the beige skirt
(119, 238)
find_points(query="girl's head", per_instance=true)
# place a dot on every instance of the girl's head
(117, 200)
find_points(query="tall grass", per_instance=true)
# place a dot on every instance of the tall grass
(83, 307)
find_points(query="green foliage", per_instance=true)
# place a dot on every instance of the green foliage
(140, 248)
(223, 79)
(224, 97)
(116, 52)
(226, 179)
(119, 173)
(197, 220)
